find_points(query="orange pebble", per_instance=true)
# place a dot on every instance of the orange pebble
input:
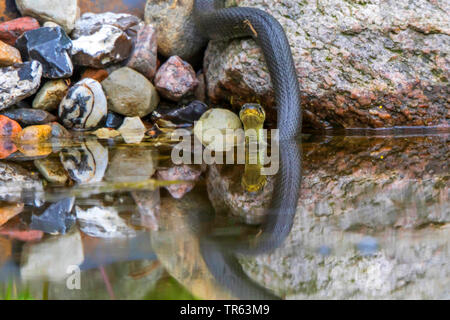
(96, 74)
(8, 127)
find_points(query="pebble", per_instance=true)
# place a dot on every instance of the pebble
(103, 222)
(135, 7)
(8, 127)
(8, 55)
(50, 95)
(87, 163)
(175, 79)
(180, 173)
(11, 30)
(144, 57)
(7, 147)
(62, 12)
(52, 170)
(26, 116)
(113, 120)
(106, 133)
(180, 115)
(132, 165)
(35, 133)
(50, 259)
(96, 74)
(107, 46)
(56, 219)
(49, 46)
(58, 131)
(132, 130)
(9, 211)
(18, 233)
(90, 23)
(177, 32)
(84, 106)
(19, 82)
(20, 185)
(210, 129)
(130, 93)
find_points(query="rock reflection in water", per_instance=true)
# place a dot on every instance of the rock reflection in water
(371, 222)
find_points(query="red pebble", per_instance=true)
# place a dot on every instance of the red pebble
(11, 30)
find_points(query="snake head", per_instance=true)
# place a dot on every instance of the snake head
(252, 116)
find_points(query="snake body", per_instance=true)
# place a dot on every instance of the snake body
(216, 22)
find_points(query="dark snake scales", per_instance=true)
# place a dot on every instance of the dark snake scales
(216, 22)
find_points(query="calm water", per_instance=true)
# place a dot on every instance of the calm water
(371, 222)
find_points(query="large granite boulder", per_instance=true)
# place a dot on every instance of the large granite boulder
(359, 63)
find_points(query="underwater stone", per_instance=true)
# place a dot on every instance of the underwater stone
(130, 93)
(84, 106)
(175, 79)
(87, 163)
(11, 30)
(56, 219)
(29, 116)
(52, 170)
(190, 174)
(62, 12)
(49, 46)
(106, 46)
(103, 222)
(19, 82)
(50, 95)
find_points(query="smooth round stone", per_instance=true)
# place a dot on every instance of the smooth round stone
(113, 120)
(27, 116)
(84, 106)
(130, 93)
(216, 129)
(50, 95)
(132, 130)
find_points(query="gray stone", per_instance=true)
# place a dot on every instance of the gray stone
(107, 46)
(19, 82)
(359, 63)
(130, 93)
(62, 12)
(90, 23)
(56, 219)
(26, 116)
(176, 30)
(50, 95)
(84, 106)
